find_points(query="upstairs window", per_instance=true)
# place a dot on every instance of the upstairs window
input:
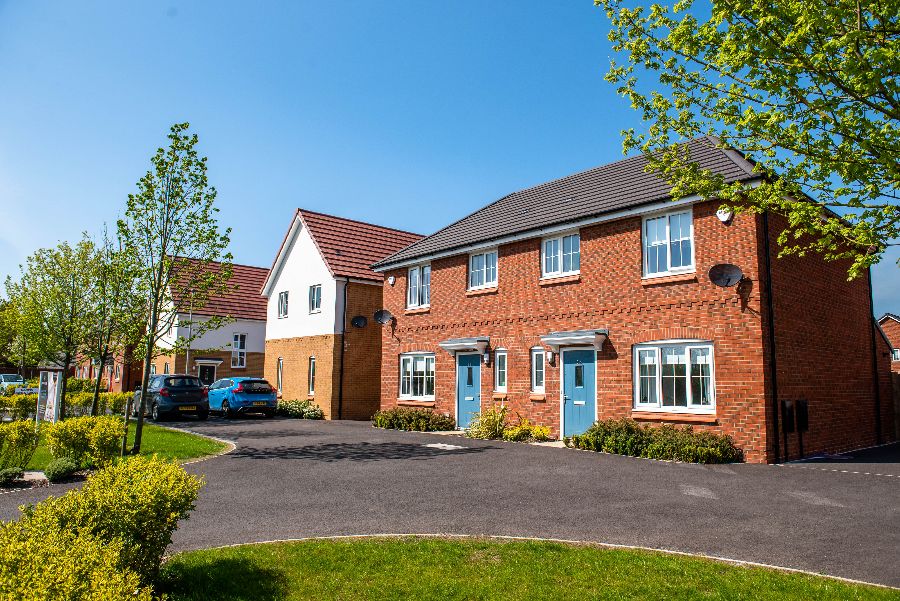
(282, 304)
(561, 256)
(418, 286)
(537, 370)
(674, 377)
(895, 354)
(668, 244)
(500, 371)
(483, 270)
(239, 350)
(315, 298)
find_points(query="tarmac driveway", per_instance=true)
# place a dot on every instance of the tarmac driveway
(295, 478)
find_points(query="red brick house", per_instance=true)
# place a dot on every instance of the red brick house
(890, 325)
(591, 297)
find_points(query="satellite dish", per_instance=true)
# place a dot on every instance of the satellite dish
(725, 274)
(383, 316)
(359, 321)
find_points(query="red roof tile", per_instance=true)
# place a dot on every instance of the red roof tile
(242, 300)
(350, 247)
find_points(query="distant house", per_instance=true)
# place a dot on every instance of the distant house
(235, 349)
(322, 342)
(597, 296)
(890, 325)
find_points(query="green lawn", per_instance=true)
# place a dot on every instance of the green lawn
(156, 440)
(477, 569)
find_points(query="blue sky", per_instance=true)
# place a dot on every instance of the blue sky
(408, 114)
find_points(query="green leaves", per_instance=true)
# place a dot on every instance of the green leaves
(808, 90)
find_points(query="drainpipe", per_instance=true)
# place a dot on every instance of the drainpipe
(770, 309)
(875, 379)
(343, 344)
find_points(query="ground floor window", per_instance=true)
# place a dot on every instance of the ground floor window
(312, 375)
(417, 376)
(537, 370)
(500, 371)
(673, 376)
(278, 374)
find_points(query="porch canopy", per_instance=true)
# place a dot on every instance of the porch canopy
(594, 338)
(455, 345)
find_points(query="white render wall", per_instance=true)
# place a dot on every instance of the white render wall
(301, 268)
(222, 338)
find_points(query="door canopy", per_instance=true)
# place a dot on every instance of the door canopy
(594, 338)
(456, 345)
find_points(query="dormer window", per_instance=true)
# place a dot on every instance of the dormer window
(418, 287)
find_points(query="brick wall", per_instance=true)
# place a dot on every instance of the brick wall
(295, 353)
(891, 328)
(609, 294)
(824, 331)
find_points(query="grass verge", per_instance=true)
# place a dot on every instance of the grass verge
(170, 444)
(428, 568)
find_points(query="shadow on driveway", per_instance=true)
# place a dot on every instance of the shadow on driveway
(361, 451)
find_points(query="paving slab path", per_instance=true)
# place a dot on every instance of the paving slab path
(291, 479)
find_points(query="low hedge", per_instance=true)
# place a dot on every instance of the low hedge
(628, 437)
(60, 469)
(22, 406)
(418, 420)
(491, 425)
(18, 442)
(304, 409)
(8, 475)
(86, 440)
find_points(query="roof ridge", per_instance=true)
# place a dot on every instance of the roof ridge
(384, 227)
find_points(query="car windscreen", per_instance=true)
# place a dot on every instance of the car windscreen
(256, 386)
(182, 383)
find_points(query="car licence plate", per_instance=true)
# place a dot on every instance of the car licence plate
(188, 408)
(259, 403)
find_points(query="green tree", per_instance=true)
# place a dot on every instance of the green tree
(171, 227)
(53, 299)
(809, 89)
(14, 347)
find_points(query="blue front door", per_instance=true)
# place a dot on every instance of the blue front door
(579, 391)
(468, 388)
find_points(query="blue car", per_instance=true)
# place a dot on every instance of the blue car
(234, 396)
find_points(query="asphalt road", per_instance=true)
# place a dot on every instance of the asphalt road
(292, 479)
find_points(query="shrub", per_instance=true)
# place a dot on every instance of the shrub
(488, 424)
(60, 469)
(418, 420)
(18, 441)
(81, 439)
(8, 475)
(59, 564)
(115, 402)
(525, 431)
(138, 502)
(627, 437)
(19, 406)
(304, 409)
(74, 385)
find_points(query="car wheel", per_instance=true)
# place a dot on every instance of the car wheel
(226, 413)
(154, 413)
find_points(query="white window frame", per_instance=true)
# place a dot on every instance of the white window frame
(421, 298)
(282, 304)
(166, 368)
(410, 359)
(311, 375)
(315, 298)
(483, 271)
(658, 406)
(239, 350)
(895, 354)
(279, 374)
(559, 256)
(645, 255)
(538, 359)
(118, 372)
(153, 369)
(498, 355)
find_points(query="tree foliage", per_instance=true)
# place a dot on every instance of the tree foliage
(809, 89)
(170, 226)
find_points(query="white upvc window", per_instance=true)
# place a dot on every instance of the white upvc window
(166, 367)
(153, 369)
(675, 376)
(668, 242)
(118, 372)
(239, 350)
(312, 375)
(418, 286)
(315, 298)
(282, 304)
(895, 354)
(537, 370)
(561, 256)
(483, 270)
(279, 375)
(500, 370)
(417, 376)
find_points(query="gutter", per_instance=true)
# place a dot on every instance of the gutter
(773, 362)
(875, 379)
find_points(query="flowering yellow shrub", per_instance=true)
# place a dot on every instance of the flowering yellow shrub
(96, 439)
(18, 441)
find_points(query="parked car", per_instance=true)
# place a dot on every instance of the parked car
(233, 396)
(11, 380)
(174, 394)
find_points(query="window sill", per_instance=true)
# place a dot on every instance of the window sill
(499, 396)
(559, 279)
(412, 403)
(310, 397)
(417, 310)
(669, 279)
(663, 416)
(315, 312)
(537, 397)
(480, 291)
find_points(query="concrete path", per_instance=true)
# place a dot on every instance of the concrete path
(293, 478)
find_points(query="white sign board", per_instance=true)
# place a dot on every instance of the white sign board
(49, 393)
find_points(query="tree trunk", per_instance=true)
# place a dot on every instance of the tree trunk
(65, 381)
(145, 379)
(95, 403)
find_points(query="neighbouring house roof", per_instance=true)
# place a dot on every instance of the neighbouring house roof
(241, 300)
(348, 247)
(887, 316)
(621, 185)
